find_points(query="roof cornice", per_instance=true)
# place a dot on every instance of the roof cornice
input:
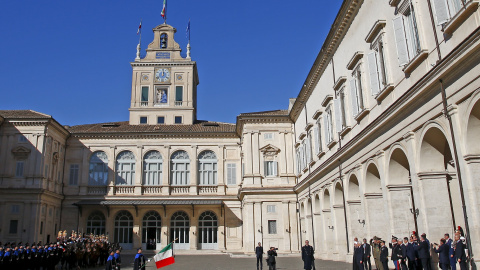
(342, 22)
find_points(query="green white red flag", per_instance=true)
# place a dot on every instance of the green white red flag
(164, 9)
(164, 257)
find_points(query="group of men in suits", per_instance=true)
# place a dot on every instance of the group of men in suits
(410, 253)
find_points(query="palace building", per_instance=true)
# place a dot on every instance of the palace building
(381, 140)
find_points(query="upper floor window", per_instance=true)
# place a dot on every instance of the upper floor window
(318, 138)
(73, 179)
(446, 9)
(152, 168)
(207, 168)
(143, 119)
(328, 125)
(98, 169)
(144, 99)
(270, 168)
(406, 34)
(232, 173)
(180, 165)
(178, 95)
(268, 136)
(125, 168)
(308, 147)
(19, 168)
(22, 138)
(163, 41)
(339, 103)
(178, 119)
(356, 91)
(161, 120)
(377, 67)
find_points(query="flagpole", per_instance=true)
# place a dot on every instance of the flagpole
(140, 39)
(157, 253)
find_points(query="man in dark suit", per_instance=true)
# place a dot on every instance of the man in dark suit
(423, 252)
(442, 251)
(384, 255)
(259, 253)
(307, 256)
(358, 255)
(411, 254)
(460, 252)
(451, 252)
(367, 252)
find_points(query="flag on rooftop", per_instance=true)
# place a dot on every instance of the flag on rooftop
(164, 257)
(139, 28)
(188, 30)
(164, 9)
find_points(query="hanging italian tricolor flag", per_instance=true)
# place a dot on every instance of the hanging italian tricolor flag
(164, 9)
(165, 256)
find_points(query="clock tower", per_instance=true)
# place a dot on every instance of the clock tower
(164, 84)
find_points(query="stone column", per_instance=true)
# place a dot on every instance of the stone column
(248, 228)
(194, 230)
(83, 173)
(256, 159)
(111, 170)
(193, 170)
(258, 225)
(167, 171)
(138, 170)
(221, 229)
(221, 170)
(247, 150)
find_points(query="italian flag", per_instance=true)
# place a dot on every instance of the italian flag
(164, 9)
(164, 257)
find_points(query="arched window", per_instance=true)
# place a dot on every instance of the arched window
(151, 227)
(180, 169)
(207, 168)
(124, 227)
(208, 228)
(96, 223)
(152, 168)
(125, 168)
(163, 41)
(180, 228)
(98, 169)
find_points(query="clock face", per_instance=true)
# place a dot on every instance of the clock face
(162, 75)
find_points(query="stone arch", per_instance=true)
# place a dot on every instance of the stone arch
(338, 194)
(316, 206)
(435, 154)
(472, 146)
(302, 210)
(373, 183)
(398, 168)
(326, 199)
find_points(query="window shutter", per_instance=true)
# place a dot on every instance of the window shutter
(275, 168)
(326, 129)
(373, 72)
(338, 115)
(400, 40)
(265, 168)
(441, 11)
(233, 173)
(317, 141)
(354, 96)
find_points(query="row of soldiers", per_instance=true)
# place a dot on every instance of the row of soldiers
(72, 252)
(414, 253)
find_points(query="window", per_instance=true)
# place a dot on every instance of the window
(19, 168)
(178, 119)
(272, 227)
(98, 169)
(22, 138)
(268, 136)
(13, 227)
(446, 9)
(74, 168)
(180, 165)
(207, 168)
(231, 174)
(179, 94)
(123, 227)
(339, 104)
(406, 34)
(318, 138)
(308, 147)
(377, 67)
(328, 125)
(356, 91)
(298, 161)
(271, 209)
(96, 223)
(161, 120)
(144, 96)
(125, 168)
(163, 41)
(41, 227)
(143, 119)
(152, 168)
(15, 209)
(270, 168)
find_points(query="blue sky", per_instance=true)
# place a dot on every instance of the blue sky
(71, 59)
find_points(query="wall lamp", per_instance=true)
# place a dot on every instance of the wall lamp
(362, 221)
(330, 227)
(416, 211)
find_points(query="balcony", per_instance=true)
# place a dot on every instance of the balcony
(124, 189)
(97, 190)
(180, 190)
(178, 103)
(207, 189)
(144, 103)
(151, 190)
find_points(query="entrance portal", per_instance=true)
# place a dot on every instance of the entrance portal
(180, 228)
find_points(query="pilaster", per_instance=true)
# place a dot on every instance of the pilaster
(193, 170)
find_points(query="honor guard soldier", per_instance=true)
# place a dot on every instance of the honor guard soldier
(139, 262)
(384, 255)
(118, 259)
(110, 265)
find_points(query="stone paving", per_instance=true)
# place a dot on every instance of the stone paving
(217, 262)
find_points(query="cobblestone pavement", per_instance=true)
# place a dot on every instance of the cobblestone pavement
(217, 262)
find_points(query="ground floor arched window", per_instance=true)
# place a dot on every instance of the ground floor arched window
(124, 229)
(180, 228)
(96, 223)
(151, 230)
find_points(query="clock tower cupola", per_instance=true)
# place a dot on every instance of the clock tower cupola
(164, 84)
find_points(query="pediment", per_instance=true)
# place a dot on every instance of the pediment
(21, 152)
(270, 150)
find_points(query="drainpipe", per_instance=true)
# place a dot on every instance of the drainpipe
(63, 182)
(434, 30)
(299, 222)
(459, 175)
(311, 213)
(343, 195)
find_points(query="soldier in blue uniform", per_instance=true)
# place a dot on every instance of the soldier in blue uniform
(139, 262)
(384, 255)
